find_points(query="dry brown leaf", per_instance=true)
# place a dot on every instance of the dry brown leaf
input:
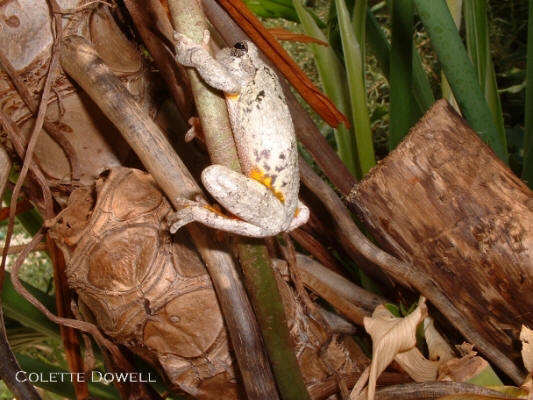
(284, 34)
(417, 366)
(463, 369)
(390, 336)
(526, 337)
(439, 349)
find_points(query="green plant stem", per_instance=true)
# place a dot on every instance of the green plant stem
(527, 171)
(209, 104)
(253, 255)
(401, 107)
(352, 38)
(460, 72)
(264, 294)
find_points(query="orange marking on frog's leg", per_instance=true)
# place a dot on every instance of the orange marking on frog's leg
(215, 208)
(232, 96)
(258, 175)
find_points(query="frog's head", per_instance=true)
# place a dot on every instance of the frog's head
(242, 60)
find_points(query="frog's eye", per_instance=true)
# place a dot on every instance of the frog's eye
(240, 49)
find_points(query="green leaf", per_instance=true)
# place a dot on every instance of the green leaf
(333, 77)
(460, 72)
(380, 48)
(353, 40)
(401, 107)
(272, 9)
(478, 46)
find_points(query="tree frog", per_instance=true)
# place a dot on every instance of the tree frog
(263, 200)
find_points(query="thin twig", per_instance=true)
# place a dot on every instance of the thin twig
(54, 62)
(53, 130)
(18, 248)
(18, 141)
(65, 11)
(22, 206)
(290, 256)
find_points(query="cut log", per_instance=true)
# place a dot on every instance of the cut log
(443, 202)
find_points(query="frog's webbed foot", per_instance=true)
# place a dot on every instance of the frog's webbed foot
(192, 54)
(188, 53)
(300, 217)
(195, 131)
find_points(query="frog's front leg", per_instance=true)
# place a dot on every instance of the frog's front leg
(191, 54)
(260, 213)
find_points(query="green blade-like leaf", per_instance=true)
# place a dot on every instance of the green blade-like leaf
(478, 46)
(460, 72)
(352, 38)
(401, 107)
(380, 48)
(456, 8)
(333, 78)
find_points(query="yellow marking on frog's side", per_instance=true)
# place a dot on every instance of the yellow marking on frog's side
(232, 96)
(296, 212)
(260, 176)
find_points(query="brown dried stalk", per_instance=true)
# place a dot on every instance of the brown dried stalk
(435, 390)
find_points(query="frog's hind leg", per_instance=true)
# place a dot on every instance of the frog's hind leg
(245, 197)
(208, 217)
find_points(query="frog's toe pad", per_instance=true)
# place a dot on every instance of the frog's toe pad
(179, 219)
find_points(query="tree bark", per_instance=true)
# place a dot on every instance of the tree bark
(444, 203)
